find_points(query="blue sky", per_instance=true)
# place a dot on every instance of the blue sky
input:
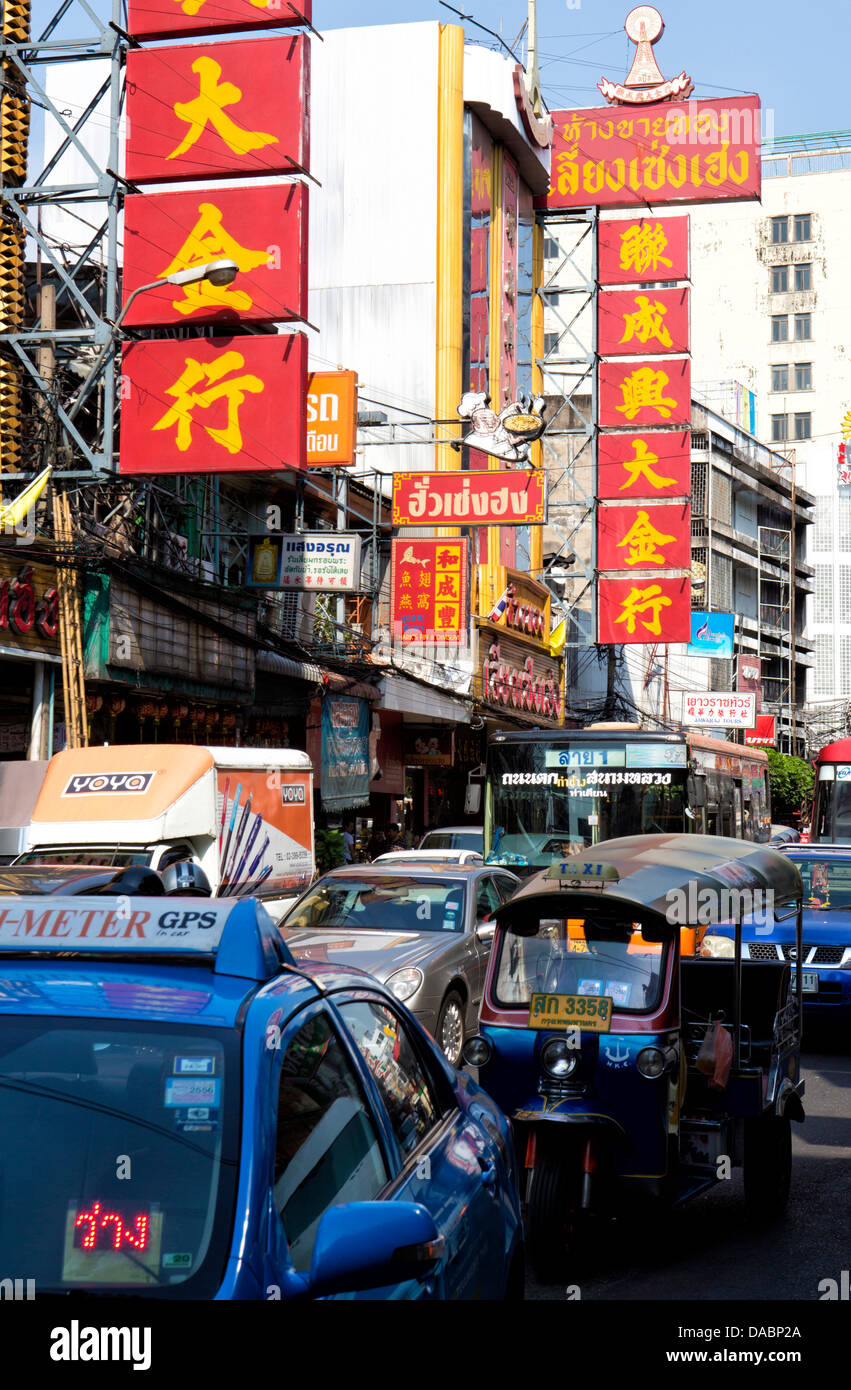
(794, 55)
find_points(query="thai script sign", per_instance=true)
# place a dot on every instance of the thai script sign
(332, 418)
(214, 405)
(314, 560)
(428, 590)
(672, 152)
(644, 538)
(505, 498)
(166, 19)
(763, 734)
(723, 710)
(635, 321)
(634, 249)
(263, 230)
(218, 109)
(633, 609)
(656, 391)
(530, 687)
(647, 466)
(27, 613)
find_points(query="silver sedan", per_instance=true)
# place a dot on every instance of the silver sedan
(424, 930)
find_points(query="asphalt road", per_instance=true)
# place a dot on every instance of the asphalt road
(706, 1249)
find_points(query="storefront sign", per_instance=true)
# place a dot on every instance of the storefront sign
(428, 590)
(650, 466)
(643, 610)
(513, 677)
(29, 607)
(216, 110)
(430, 746)
(644, 538)
(314, 560)
(332, 419)
(645, 83)
(167, 19)
(655, 391)
(506, 498)
(263, 230)
(670, 152)
(214, 405)
(764, 734)
(749, 676)
(634, 321)
(712, 635)
(723, 710)
(634, 249)
(345, 752)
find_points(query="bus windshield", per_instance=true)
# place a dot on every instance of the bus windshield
(545, 801)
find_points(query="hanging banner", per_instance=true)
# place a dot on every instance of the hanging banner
(639, 610)
(345, 752)
(172, 19)
(633, 249)
(332, 419)
(214, 405)
(263, 230)
(712, 635)
(764, 734)
(318, 560)
(648, 465)
(217, 110)
(669, 152)
(428, 590)
(652, 392)
(509, 497)
(635, 321)
(722, 710)
(644, 538)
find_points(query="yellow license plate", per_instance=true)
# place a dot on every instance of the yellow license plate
(586, 1011)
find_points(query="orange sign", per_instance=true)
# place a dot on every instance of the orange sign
(332, 418)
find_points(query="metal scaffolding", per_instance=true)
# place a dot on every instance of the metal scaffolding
(776, 606)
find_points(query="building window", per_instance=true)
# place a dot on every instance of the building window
(823, 528)
(780, 377)
(823, 673)
(803, 227)
(551, 249)
(803, 425)
(845, 666)
(779, 230)
(779, 279)
(803, 328)
(803, 376)
(823, 600)
(803, 276)
(843, 512)
(551, 342)
(844, 614)
(779, 429)
(780, 328)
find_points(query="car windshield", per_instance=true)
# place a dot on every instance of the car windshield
(454, 839)
(827, 883)
(382, 904)
(122, 1144)
(576, 956)
(103, 858)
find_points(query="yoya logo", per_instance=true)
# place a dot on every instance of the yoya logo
(695, 906)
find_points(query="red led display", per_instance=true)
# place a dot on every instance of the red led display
(104, 1229)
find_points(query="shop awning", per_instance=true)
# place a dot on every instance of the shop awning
(424, 701)
(332, 681)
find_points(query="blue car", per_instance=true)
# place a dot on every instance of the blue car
(185, 1113)
(826, 965)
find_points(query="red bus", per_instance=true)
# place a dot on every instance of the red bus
(831, 823)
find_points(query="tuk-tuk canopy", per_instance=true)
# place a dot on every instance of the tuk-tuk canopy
(644, 872)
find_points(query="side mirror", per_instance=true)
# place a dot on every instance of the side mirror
(473, 799)
(696, 792)
(486, 931)
(365, 1245)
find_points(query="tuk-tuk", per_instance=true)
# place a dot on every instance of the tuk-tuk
(632, 1067)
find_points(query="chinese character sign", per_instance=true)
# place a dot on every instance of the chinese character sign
(428, 590)
(721, 710)
(644, 466)
(166, 19)
(214, 405)
(672, 152)
(264, 230)
(656, 391)
(219, 109)
(636, 321)
(644, 538)
(642, 248)
(505, 498)
(651, 609)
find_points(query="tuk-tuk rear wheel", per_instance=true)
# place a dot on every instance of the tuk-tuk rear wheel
(551, 1214)
(768, 1165)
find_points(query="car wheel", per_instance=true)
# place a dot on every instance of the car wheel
(450, 1028)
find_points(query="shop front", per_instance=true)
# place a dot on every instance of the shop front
(517, 681)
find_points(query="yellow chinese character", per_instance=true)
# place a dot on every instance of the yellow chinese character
(643, 391)
(642, 247)
(647, 322)
(208, 107)
(641, 539)
(406, 578)
(423, 601)
(405, 602)
(208, 241)
(187, 399)
(191, 7)
(846, 425)
(642, 467)
(641, 601)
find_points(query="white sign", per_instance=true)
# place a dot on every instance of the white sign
(113, 924)
(735, 710)
(321, 560)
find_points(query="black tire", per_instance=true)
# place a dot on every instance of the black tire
(768, 1166)
(551, 1214)
(450, 1033)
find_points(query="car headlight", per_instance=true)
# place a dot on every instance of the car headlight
(557, 1058)
(718, 947)
(405, 983)
(476, 1051)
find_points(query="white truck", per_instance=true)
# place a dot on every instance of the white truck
(245, 815)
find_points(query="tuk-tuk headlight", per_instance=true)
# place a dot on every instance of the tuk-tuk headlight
(718, 947)
(557, 1058)
(476, 1051)
(651, 1062)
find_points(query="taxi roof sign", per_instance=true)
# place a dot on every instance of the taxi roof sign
(582, 871)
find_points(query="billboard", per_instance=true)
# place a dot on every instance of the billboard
(264, 230)
(646, 466)
(638, 610)
(214, 405)
(633, 249)
(712, 635)
(316, 560)
(723, 710)
(332, 419)
(666, 152)
(428, 590)
(655, 391)
(218, 110)
(166, 19)
(644, 537)
(636, 321)
(507, 497)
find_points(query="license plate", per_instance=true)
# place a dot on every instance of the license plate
(809, 982)
(589, 1012)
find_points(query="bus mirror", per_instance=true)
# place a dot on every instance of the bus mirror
(696, 792)
(473, 799)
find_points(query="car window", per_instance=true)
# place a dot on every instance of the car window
(386, 903)
(507, 887)
(326, 1146)
(389, 1053)
(487, 899)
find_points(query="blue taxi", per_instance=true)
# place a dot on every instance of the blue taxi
(187, 1113)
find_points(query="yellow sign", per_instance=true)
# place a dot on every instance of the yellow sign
(588, 1012)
